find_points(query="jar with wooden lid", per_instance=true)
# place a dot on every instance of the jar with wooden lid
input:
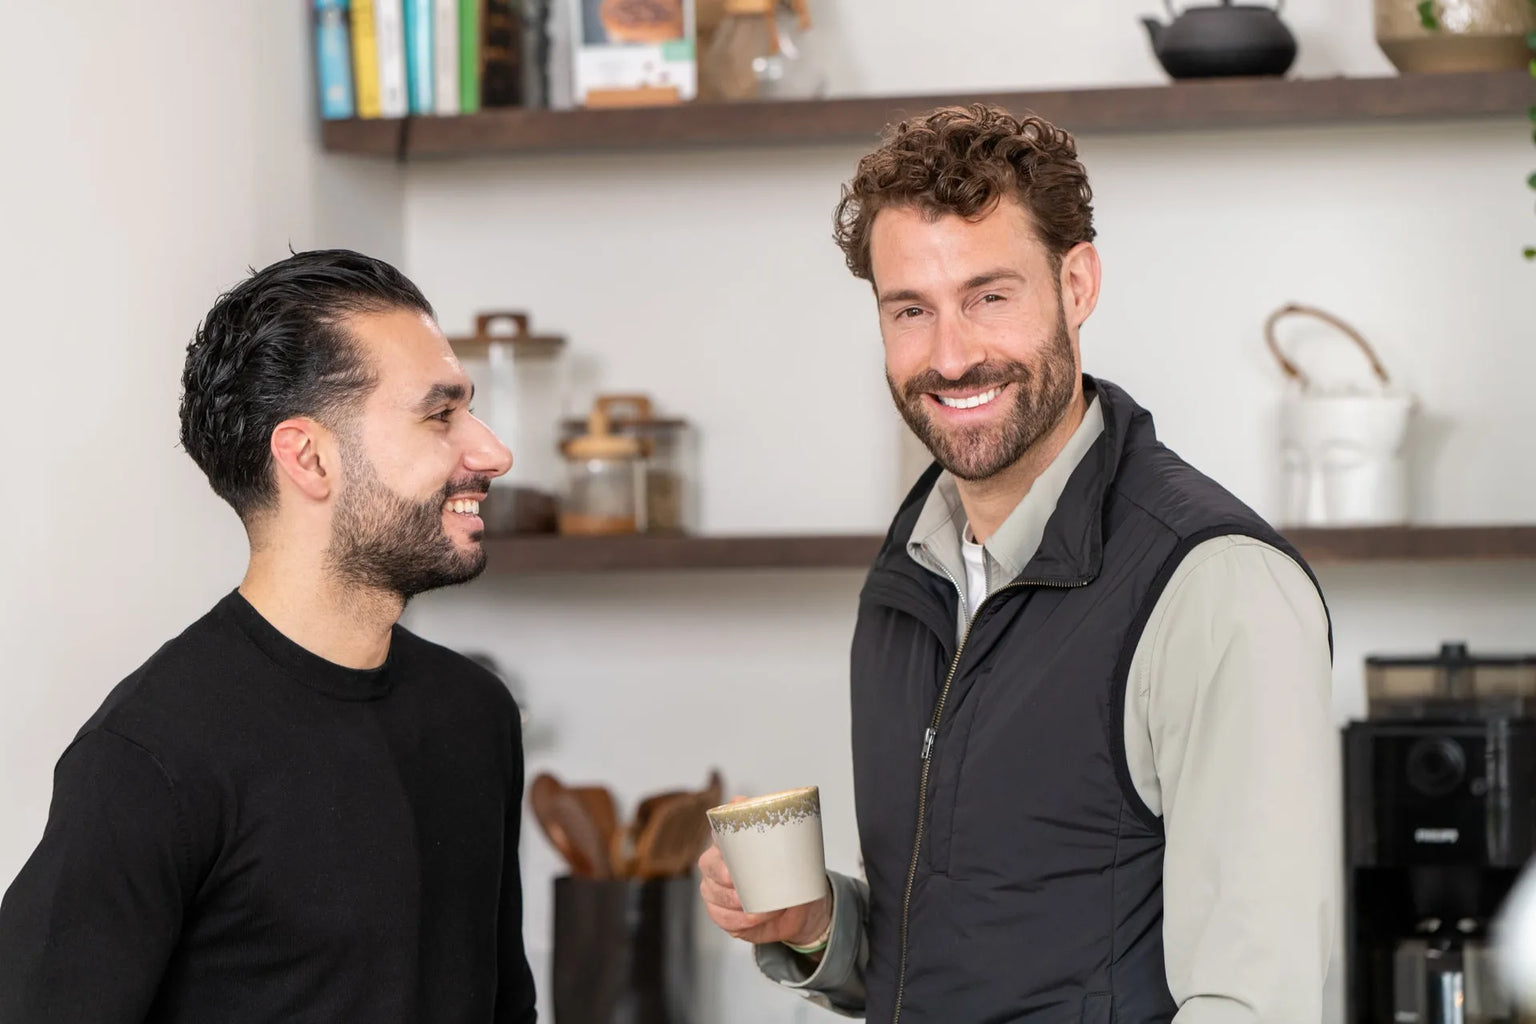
(788, 71)
(753, 53)
(605, 479)
(670, 450)
(520, 390)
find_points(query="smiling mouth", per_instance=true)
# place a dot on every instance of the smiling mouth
(970, 401)
(463, 506)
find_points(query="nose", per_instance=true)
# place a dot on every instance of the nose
(486, 455)
(955, 348)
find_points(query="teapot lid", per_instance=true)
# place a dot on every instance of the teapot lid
(1276, 9)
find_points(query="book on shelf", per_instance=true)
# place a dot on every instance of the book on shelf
(469, 56)
(400, 58)
(389, 38)
(365, 61)
(333, 59)
(420, 19)
(501, 54)
(635, 52)
(445, 56)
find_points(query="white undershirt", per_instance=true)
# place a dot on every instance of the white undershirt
(975, 556)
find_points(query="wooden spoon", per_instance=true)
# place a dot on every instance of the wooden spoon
(712, 792)
(601, 808)
(569, 827)
(675, 836)
(626, 841)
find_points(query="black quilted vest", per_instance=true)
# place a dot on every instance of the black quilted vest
(1026, 884)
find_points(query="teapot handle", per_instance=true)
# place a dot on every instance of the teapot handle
(1291, 369)
(1279, 6)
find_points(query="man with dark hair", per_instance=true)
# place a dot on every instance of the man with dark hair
(296, 810)
(1094, 761)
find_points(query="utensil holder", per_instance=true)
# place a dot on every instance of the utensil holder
(624, 950)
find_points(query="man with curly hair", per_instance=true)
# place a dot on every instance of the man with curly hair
(1094, 761)
(297, 810)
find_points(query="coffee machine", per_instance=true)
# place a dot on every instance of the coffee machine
(1440, 818)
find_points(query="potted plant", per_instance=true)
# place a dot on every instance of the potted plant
(1429, 18)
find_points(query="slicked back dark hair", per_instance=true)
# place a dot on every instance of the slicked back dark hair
(274, 347)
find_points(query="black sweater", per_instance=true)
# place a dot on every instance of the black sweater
(245, 832)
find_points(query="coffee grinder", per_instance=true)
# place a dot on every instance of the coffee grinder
(1440, 818)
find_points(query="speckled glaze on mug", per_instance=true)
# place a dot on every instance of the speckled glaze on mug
(773, 848)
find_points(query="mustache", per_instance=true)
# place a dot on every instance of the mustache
(980, 376)
(469, 484)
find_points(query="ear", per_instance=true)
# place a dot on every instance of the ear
(1080, 273)
(296, 449)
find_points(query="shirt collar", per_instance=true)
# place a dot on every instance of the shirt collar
(935, 540)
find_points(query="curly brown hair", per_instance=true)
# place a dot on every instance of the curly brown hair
(965, 160)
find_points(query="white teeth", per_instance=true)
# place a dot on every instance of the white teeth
(464, 506)
(969, 403)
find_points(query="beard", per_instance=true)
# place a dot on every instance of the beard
(1038, 397)
(385, 542)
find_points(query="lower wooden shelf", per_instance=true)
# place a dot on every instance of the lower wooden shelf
(1415, 544)
(527, 555)
(608, 554)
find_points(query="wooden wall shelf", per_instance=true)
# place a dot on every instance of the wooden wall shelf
(1416, 544)
(527, 555)
(1226, 103)
(518, 555)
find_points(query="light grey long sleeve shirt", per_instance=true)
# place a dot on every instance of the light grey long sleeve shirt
(1230, 739)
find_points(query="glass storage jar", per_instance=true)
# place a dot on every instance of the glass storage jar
(520, 389)
(669, 447)
(605, 480)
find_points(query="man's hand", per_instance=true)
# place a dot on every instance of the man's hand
(798, 926)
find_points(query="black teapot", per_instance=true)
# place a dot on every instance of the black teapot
(1218, 41)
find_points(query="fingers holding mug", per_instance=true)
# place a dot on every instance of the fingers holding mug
(769, 851)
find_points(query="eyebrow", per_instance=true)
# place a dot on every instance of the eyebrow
(993, 277)
(441, 393)
(979, 281)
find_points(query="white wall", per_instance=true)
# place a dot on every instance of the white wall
(153, 155)
(707, 277)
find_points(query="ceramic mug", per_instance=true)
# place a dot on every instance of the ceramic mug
(773, 848)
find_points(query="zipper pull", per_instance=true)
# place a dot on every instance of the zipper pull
(927, 742)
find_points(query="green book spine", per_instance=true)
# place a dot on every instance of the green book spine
(469, 55)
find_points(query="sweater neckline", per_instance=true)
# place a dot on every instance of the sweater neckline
(306, 667)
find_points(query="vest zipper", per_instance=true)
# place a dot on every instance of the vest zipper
(927, 761)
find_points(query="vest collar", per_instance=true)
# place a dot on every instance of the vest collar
(1071, 549)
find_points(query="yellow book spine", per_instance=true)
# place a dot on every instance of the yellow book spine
(365, 60)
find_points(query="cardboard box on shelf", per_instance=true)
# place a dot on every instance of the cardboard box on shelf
(634, 52)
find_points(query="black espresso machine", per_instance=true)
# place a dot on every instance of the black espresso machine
(1440, 818)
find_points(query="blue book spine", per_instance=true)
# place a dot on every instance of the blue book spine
(418, 54)
(333, 56)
